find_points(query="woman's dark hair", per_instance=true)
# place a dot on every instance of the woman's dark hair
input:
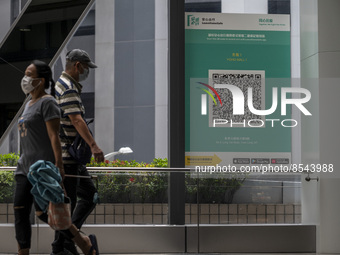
(44, 71)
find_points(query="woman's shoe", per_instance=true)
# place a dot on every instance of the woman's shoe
(24, 251)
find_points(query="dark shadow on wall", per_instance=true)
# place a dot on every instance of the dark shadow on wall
(203, 7)
(278, 6)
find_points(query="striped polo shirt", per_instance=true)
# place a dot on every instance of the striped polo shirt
(67, 93)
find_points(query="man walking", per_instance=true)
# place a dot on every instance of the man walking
(81, 191)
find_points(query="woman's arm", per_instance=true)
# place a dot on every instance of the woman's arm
(53, 133)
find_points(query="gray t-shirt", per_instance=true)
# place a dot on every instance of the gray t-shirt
(35, 143)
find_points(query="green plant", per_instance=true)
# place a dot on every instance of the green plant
(138, 187)
(6, 186)
(150, 187)
(10, 159)
(157, 162)
(160, 162)
(190, 189)
(212, 190)
(7, 177)
(158, 183)
(112, 188)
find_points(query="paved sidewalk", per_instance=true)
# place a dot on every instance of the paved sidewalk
(192, 254)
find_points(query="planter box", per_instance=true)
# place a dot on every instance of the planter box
(208, 214)
(6, 213)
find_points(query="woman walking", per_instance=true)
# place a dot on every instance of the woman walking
(39, 140)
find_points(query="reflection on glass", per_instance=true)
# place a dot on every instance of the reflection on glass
(131, 198)
(256, 199)
(142, 198)
(248, 199)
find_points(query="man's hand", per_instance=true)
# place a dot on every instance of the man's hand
(97, 153)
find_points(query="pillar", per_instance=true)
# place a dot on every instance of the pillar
(320, 56)
(244, 6)
(104, 79)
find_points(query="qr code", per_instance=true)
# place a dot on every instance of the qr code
(243, 79)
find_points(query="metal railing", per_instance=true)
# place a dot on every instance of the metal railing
(154, 211)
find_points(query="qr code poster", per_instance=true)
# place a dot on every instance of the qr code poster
(222, 114)
(228, 60)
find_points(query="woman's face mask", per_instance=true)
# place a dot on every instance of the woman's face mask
(83, 76)
(26, 84)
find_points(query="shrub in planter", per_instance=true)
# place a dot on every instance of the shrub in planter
(151, 187)
(10, 159)
(134, 187)
(6, 186)
(7, 178)
(213, 189)
(137, 187)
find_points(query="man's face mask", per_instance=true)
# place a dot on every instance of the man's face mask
(83, 76)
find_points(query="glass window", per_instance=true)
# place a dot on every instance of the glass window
(224, 198)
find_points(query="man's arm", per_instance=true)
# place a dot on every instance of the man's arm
(81, 127)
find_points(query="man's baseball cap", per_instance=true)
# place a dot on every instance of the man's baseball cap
(81, 56)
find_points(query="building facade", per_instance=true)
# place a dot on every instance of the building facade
(128, 94)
